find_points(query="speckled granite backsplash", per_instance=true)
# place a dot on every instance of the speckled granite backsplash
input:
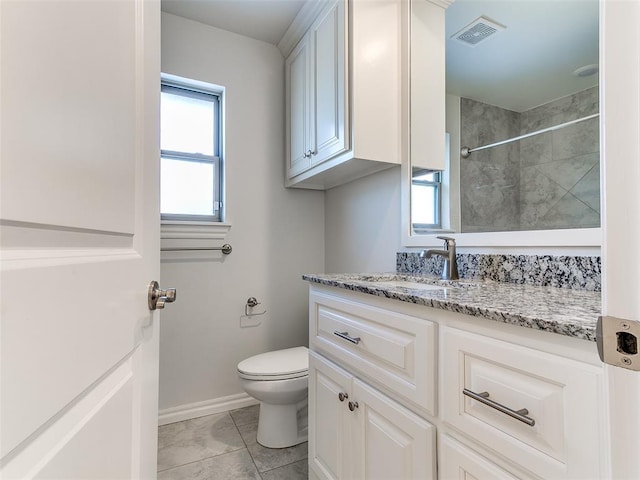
(581, 273)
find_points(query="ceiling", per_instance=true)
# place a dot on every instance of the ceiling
(527, 64)
(265, 20)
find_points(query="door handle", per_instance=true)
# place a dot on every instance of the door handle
(158, 298)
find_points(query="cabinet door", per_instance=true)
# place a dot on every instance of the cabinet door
(299, 83)
(390, 442)
(457, 462)
(329, 419)
(329, 134)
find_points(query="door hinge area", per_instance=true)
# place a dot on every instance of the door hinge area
(617, 341)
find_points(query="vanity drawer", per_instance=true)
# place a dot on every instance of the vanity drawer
(534, 408)
(392, 350)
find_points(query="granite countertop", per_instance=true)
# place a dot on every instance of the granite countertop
(559, 310)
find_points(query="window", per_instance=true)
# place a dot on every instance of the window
(190, 150)
(426, 188)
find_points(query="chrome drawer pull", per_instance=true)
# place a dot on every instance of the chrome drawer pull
(517, 414)
(346, 336)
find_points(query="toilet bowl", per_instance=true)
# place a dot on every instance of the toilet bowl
(279, 380)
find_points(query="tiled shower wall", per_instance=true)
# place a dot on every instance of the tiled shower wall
(489, 179)
(547, 181)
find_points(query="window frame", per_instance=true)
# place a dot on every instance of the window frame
(428, 227)
(197, 90)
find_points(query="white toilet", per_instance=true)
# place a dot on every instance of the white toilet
(279, 380)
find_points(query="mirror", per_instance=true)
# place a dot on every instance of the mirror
(523, 75)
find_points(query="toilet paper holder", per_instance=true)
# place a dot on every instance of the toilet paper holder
(251, 303)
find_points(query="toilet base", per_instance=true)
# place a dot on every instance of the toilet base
(278, 426)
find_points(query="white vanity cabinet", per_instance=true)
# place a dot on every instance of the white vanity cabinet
(358, 432)
(505, 402)
(347, 87)
(538, 408)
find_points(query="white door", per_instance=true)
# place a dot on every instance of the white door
(80, 238)
(620, 67)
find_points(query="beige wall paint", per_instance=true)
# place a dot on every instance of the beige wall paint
(277, 234)
(362, 224)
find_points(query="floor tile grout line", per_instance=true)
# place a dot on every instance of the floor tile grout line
(282, 466)
(246, 446)
(204, 458)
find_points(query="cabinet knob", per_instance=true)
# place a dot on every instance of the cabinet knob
(353, 406)
(343, 396)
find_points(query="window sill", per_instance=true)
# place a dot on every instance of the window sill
(192, 235)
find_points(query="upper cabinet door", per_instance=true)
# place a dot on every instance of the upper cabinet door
(299, 85)
(329, 136)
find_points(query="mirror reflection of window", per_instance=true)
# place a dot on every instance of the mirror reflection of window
(426, 192)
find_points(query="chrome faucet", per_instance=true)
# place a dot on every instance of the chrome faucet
(450, 269)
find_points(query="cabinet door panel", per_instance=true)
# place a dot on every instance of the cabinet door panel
(298, 79)
(391, 442)
(329, 137)
(328, 420)
(457, 462)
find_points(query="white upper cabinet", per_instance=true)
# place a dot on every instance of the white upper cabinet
(299, 114)
(346, 90)
(329, 125)
(315, 83)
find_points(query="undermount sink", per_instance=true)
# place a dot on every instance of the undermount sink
(408, 284)
(459, 283)
(430, 284)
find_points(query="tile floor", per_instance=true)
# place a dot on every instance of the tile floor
(224, 447)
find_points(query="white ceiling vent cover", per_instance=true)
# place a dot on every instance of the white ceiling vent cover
(477, 31)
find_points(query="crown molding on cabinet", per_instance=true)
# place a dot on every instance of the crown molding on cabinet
(307, 14)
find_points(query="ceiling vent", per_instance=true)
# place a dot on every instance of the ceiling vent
(477, 31)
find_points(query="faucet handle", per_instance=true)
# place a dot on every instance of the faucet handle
(448, 241)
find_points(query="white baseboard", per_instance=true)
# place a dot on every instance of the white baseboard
(208, 407)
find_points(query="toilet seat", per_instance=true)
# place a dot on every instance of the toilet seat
(278, 365)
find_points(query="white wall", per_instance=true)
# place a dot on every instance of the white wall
(276, 234)
(363, 228)
(362, 224)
